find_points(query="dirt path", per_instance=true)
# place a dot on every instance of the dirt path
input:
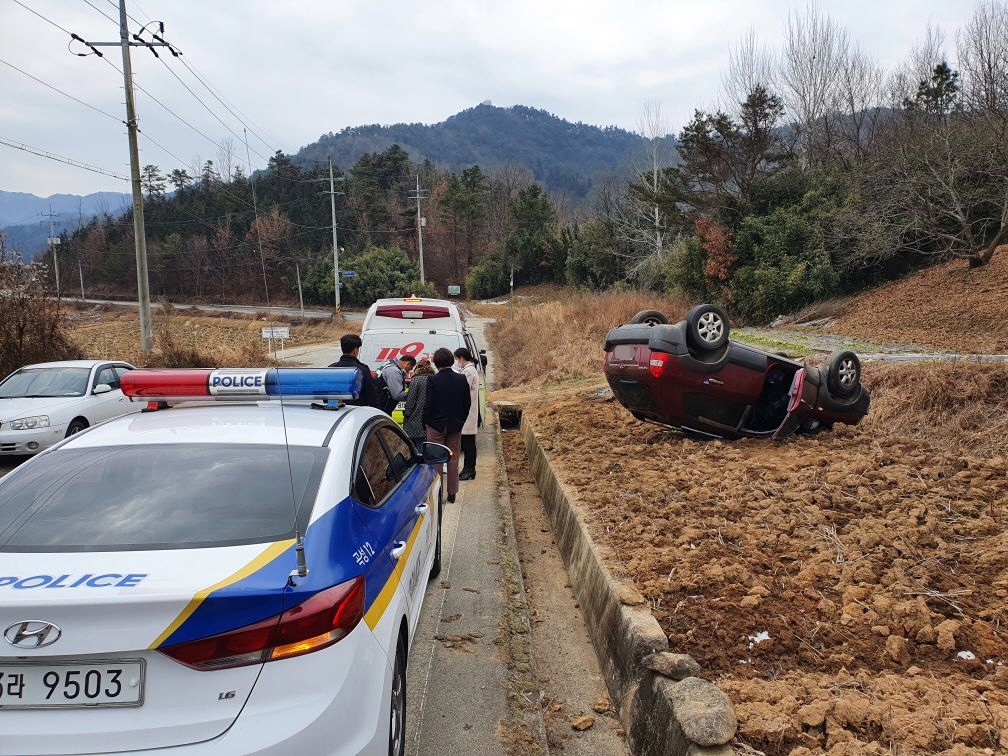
(574, 693)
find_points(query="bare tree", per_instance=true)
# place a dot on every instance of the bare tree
(225, 159)
(983, 59)
(815, 48)
(924, 57)
(750, 65)
(859, 91)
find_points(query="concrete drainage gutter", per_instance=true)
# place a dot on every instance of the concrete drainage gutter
(665, 709)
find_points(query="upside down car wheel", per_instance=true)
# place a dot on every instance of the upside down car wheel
(844, 373)
(707, 327)
(649, 317)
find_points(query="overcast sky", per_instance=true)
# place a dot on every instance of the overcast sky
(296, 70)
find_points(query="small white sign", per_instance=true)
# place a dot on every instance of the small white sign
(276, 332)
(454, 290)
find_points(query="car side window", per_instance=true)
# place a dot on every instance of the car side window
(107, 375)
(373, 469)
(120, 371)
(400, 452)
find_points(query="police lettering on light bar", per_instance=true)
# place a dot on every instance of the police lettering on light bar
(241, 383)
(238, 382)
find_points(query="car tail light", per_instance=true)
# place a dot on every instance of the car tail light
(657, 363)
(310, 626)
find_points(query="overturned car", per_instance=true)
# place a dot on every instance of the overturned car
(691, 376)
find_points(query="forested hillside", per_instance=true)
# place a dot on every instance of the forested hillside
(823, 174)
(561, 156)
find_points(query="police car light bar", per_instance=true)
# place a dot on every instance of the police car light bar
(147, 384)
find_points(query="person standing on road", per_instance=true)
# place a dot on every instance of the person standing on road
(395, 372)
(446, 410)
(416, 399)
(464, 364)
(350, 345)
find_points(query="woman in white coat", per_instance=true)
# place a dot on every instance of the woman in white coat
(465, 365)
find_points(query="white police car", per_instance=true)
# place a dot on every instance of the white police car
(220, 577)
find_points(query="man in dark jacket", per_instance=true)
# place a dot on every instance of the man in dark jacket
(445, 412)
(350, 345)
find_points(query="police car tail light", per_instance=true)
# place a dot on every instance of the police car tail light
(237, 648)
(314, 624)
(320, 621)
(241, 383)
(657, 363)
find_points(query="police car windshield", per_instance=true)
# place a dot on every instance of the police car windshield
(45, 382)
(168, 496)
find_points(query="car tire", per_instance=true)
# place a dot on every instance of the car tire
(435, 569)
(649, 317)
(843, 374)
(76, 426)
(397, 710)
(707, 327)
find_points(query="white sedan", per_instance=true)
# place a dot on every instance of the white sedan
(237, 576)
(44, 403)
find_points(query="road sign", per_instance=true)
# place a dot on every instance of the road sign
(276, 333)
(349, 274)
(454, 290)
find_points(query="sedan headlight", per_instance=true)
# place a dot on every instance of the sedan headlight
(27, 423)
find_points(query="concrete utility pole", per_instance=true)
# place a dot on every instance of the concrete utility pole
(53, 242)
(335, 248)
(143, 291)
(420, 222)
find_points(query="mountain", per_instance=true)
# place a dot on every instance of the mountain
(562, 156)
(26, 229)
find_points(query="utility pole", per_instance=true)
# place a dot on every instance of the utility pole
(80, 272)
(420, 223)
(297, 267)
(53, 242)
(335, 248)
(143, 291)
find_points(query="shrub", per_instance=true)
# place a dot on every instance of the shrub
(33, 327)
(489, 277)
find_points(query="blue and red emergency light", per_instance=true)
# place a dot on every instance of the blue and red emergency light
(162, 384)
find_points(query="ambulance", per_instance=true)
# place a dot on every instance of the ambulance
(414, 326)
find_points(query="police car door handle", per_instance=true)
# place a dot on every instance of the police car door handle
(421, 508)
(398, 549)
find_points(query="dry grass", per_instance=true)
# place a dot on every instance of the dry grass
(562, 339)
(963, 406)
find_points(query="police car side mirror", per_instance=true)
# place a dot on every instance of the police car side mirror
(483, 358)
(434, 454)
(101, 388)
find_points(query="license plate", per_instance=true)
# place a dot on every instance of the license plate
(69, 684)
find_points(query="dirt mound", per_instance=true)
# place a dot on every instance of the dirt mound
(849, 591)
(948, 306)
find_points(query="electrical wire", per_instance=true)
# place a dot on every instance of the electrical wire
(47, 20)
(59, 158)
(114, 21)
(60, 91)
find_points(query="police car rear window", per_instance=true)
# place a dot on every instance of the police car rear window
(169, 496)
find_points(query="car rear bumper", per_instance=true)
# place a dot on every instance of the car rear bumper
(333, 702)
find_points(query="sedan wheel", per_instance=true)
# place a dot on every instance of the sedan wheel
(75, 427)
(397, 718)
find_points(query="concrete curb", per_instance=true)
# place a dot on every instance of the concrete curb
(664, 709)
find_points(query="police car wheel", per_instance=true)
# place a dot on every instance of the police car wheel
(435, 569)
(397, 716)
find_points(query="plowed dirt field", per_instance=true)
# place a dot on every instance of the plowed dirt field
(848, 591)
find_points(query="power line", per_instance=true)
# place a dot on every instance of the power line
(60, 91)
(59, 158)
(47, 20)
(88, 2)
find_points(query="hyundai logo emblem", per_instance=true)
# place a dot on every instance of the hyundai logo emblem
(32, 634)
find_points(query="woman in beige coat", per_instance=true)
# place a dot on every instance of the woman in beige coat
(465, 365)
